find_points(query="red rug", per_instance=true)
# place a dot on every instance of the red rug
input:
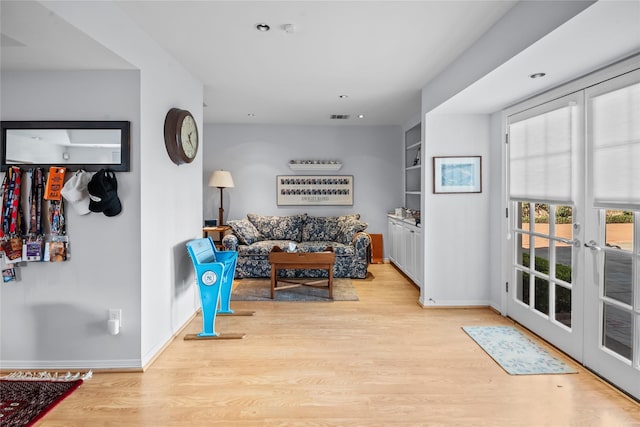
(25, 401)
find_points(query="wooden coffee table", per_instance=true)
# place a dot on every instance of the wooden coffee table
(281, 260)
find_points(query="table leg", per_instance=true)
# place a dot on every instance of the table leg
(330, 282)
(274, 273)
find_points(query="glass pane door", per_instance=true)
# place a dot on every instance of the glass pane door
(613, 348)
(545, 145)
(544, 271)
(612, 299)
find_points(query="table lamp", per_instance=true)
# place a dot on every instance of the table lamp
(221, 179)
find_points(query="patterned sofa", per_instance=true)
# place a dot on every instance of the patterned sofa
(254, 236)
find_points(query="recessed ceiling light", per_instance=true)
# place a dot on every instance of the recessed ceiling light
(361, 116)
(262, 27)
(537, 75)
(343, 96)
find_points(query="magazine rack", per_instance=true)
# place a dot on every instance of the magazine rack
(214, 271)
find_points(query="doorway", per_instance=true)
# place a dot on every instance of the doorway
(574, 204)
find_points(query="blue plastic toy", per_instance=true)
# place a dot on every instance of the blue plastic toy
(228, 259)
(214, 273)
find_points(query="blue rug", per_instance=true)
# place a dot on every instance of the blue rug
(516, 353)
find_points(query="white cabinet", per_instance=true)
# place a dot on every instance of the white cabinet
(396, 249)
(406, 246)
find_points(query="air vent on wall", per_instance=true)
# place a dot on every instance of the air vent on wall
(340, 116)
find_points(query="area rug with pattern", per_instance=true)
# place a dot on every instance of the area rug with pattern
(260, 290)
(25, 397)
(516, 353)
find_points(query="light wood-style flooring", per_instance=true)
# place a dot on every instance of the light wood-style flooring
(381, 361)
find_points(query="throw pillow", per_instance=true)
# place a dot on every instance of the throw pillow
(320, 229)
(279, 227)
(348, 228)
(245, 231)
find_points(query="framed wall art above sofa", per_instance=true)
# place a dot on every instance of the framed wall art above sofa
(310, 190)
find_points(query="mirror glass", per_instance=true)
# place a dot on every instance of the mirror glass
(76, 145)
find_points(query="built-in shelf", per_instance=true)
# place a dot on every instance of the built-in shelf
(413, 167)
(416, 145)
(315, 166)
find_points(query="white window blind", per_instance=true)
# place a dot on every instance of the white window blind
(541, 144)
(614, 124)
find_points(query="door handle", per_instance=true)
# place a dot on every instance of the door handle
(593, 246)
(573, 242)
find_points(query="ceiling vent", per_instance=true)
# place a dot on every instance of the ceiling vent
(340, 116)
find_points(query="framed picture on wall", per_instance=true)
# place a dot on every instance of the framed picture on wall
(310, 190)
(457, 174)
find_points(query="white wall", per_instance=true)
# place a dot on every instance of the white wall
(146, 252)
(256, 154)
(171, 196)
(55, 315)
(480, 216)
(456, 226)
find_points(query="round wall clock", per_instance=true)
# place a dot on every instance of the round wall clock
(180, 136)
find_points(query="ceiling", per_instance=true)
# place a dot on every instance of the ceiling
(378, 53)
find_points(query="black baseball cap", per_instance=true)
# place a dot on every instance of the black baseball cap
(103, 193)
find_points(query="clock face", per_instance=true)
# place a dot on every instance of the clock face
(189, 137)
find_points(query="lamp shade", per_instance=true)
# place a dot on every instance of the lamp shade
(221, 179)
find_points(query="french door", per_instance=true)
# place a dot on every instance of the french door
(545, 293)
(612, 258)
(574, 199)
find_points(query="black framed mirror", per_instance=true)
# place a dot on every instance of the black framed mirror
(88, 145)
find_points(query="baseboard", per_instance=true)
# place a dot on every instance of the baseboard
(456, 304)
(120, 365)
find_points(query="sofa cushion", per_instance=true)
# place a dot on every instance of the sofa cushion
(340, 249)
(323, 228)
(348, 228)
(262, 248)
(245, 231)
(279, 227)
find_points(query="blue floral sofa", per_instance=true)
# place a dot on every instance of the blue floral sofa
(255, 236)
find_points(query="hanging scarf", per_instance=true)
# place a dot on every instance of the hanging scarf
(11, 214)
(35, 199)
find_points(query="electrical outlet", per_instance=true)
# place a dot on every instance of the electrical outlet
(116, 314)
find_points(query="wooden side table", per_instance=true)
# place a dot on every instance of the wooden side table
(222, 230)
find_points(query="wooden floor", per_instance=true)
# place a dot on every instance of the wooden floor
(381, 361)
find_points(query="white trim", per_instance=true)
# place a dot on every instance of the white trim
(52, 365)
(581, 83)
(455, 303)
